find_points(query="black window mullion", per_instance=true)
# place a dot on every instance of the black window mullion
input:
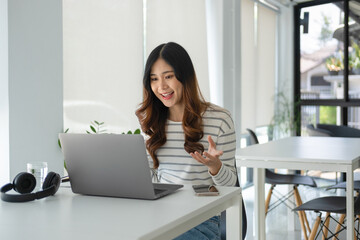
(297, 96)
(344, 110)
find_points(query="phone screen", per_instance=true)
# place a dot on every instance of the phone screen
(205, 190)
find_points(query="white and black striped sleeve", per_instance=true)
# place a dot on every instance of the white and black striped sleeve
(226, 141)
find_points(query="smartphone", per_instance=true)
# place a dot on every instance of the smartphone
(205, 190)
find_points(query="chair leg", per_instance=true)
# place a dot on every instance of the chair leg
(305, 218)
(267, 202)
(326, 226)
(297, 195)
(315, 228)
(338, 227)
(301, 214)
(355, 238)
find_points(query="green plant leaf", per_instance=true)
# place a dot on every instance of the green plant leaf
(66, 130)
(59, 143)
(97, 122)
(88, 132)
(93, 129)
(137, 131)
(129, 132)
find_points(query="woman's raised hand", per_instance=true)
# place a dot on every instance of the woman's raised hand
(211, 158)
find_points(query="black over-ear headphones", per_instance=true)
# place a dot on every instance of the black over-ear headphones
(25, 183)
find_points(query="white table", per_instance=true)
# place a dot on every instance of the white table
(303, 153)
(71, 216)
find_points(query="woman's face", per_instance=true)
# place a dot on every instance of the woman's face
(165, 85)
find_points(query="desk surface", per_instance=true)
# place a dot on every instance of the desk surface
(72, 216)
(329, 150)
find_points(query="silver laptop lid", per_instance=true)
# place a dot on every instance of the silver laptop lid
(107, 165)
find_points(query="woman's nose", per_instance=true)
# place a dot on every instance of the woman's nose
(163, 84)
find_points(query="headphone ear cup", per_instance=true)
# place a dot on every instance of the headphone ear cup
(52, 179)
(24, 182)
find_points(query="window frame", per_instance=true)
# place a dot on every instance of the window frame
(344, 103)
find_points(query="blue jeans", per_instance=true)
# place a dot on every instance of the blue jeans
(208, 230)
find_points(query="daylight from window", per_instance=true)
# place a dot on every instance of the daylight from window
(322, 62)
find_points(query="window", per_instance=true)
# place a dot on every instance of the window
(327, 63)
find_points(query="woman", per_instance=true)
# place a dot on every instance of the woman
(180, 125)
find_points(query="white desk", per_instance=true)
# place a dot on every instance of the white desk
(71, 216)
(307, 153)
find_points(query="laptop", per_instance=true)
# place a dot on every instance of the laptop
(112, 165)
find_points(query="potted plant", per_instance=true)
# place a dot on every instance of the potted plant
(284, 123)
(334, 65)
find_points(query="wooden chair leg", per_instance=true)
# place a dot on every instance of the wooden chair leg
(267, 202)
(326, 226)
(301, 215)
(338, 227)
(355, 238)
(297, 195)
(300, 201)
(315, 228)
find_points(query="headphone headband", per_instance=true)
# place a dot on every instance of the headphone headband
(51, 185)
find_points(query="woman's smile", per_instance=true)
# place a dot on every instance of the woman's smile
(167, 96)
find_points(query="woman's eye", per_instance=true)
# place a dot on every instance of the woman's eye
(153, 79)
(169, 76)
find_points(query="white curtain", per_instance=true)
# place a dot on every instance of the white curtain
(184, 22)
(103, 63)
(104, 55)
(258, 57)
(266, 61)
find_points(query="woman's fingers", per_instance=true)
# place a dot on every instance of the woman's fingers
(211, 142)
(212, 162)
(210, 158)
(206, 158)
(212, 148)
(197, 156)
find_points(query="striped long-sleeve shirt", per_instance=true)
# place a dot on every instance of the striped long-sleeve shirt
(177, 166)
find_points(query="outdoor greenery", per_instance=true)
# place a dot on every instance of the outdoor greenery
(356, 56)
(327, 115)
(326, 31)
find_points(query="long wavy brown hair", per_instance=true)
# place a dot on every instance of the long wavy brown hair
(152, 113)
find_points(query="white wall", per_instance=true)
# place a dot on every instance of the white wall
(214, 27)
(4, 95)
(34, 84)
(103, 63)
